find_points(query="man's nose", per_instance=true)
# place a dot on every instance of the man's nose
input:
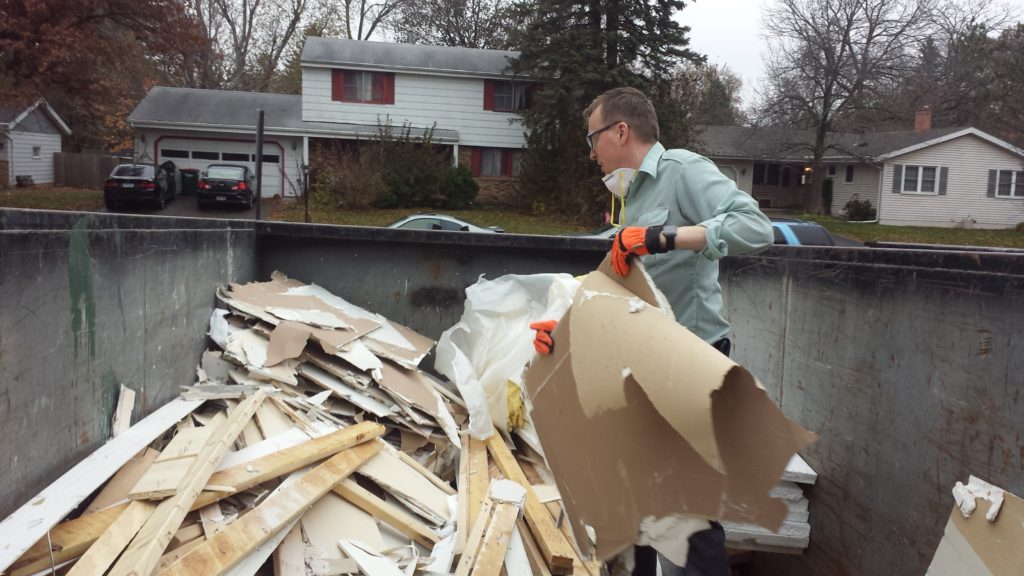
(593, 154)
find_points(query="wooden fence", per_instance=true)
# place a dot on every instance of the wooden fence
(83, 170)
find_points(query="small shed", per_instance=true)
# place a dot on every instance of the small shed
(29, 137)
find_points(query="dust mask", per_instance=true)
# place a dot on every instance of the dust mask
(619, 180)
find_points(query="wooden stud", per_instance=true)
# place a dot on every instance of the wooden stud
(116, 490)
(463, 524)
(475, 538)
(479, 476)
(102, 554)
(229, 547)
(69, 539)
(391, 515)
(123, 413)
(491, 555)
(537, 563)
(143, 554)
(558, 553)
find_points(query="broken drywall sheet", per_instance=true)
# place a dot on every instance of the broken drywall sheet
(656, 422)
(977, 545)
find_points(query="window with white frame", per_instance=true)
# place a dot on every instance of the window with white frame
(37, 152)
(849, 173)
(1009, 184)
(920, 179)
(491, 162)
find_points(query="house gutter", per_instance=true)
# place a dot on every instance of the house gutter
(242, 129)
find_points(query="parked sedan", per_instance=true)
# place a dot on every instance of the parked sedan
(226, 184)
(432, 221)
(139, 184)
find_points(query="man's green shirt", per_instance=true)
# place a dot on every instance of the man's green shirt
(685, 189)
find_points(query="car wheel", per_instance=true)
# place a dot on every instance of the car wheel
(111, 206)
(160, 202)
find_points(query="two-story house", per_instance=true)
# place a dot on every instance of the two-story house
(350, 89)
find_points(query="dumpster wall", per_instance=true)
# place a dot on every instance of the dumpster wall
(909, 366)
(89, 301)
(906, 363)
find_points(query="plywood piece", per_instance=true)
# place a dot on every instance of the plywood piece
(558, 553)
(230, 546)
(387, 513)
(123, 413)
(105, 550)
(245, 476)
(30, 522)
(162, 479)
(396, 476)
(144, 553)
(333, 518)
(186, 443)
(116, 490)
(69, 539)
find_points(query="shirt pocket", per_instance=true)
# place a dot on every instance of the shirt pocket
(655, 217)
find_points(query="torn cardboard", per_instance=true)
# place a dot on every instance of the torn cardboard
(638, 417)
(973, 544)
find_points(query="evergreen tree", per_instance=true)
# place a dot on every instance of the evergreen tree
(582, 49)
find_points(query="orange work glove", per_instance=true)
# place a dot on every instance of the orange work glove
(634, 241)
(542, 342)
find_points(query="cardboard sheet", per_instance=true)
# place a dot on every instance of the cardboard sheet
(638, 417)
(979, 547)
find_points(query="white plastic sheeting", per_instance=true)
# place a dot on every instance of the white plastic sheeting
(492, 342)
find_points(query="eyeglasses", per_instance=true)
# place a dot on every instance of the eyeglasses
(590, 137)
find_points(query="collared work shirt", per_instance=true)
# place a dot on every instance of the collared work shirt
(681, 188)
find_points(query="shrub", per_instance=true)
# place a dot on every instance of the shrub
(346, 177)
(460, 188)
(858, 210)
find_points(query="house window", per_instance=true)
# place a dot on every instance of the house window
(495, 162)
(758, 173)
(363, 87)
(506, 96)
(849, 172)
(37, 152)
(1009, 184)
(234, 157)
(831, 170)
(920, 179)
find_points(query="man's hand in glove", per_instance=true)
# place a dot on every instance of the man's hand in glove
(542, 342)
(634, 241)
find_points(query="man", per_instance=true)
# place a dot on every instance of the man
(680, 215)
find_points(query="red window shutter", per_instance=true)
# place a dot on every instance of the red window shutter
(338, 85)
(506, 163)
(488, 94)
(389, 88)
(474, 162)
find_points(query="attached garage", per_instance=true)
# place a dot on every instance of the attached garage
(201, 151)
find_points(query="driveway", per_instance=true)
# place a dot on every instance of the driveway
(186, 206)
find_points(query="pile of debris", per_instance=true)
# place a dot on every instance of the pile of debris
(311, 441)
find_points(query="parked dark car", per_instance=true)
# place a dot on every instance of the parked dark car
(226, 184)
(139, 184)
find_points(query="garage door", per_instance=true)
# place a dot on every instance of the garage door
(200, 153)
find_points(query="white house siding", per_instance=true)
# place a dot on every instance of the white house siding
(278, 179)
(864, 186)
(969, 159)
(25, 164)
(740, 171)
(422, 100)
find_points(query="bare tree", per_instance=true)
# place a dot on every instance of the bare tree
(467, 23)
(827, 58)
(361, 19)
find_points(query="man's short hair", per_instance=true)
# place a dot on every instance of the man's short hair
(627, 105)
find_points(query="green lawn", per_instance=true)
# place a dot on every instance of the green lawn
(48, 198)
(918, 234)
(511, 221)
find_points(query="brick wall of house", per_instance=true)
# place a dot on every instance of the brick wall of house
(494, 191)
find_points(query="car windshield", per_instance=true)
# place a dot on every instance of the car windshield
(130, 171)
(812, 235)
(226, 172)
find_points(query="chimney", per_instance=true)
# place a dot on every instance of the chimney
(923, 119)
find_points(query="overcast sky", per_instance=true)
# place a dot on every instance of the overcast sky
(729, 32)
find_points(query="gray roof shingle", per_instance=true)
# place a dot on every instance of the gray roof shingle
(410, 57)
(754, 143)
(193, 107)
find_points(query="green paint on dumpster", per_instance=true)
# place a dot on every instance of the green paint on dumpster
(83, 303)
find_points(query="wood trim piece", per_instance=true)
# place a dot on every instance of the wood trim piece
(558, 553)
(30, 522)
(391, 515)
(143, 554)
(226, 549)
(70, 540)
(474, 539)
